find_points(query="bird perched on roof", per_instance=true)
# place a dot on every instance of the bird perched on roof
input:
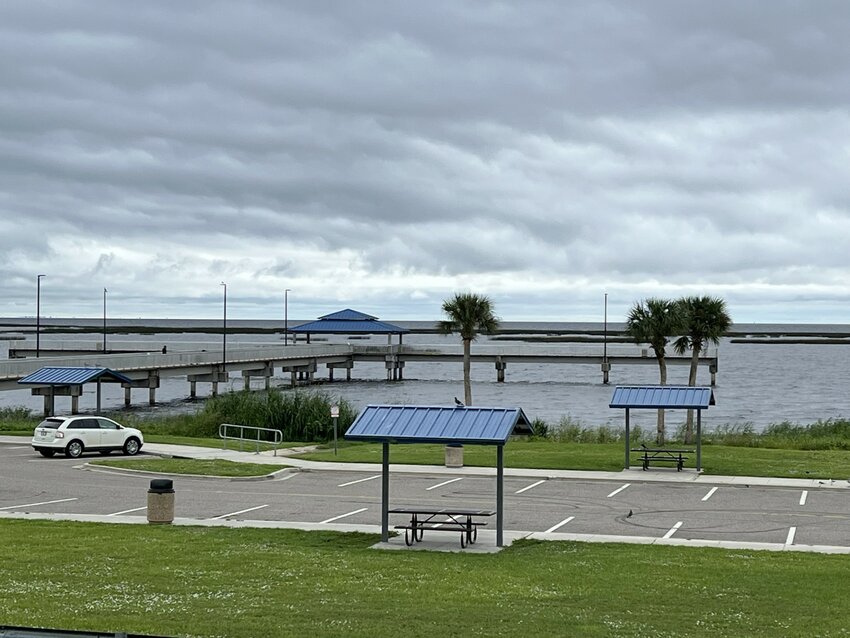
(629, 515)
(459, 403)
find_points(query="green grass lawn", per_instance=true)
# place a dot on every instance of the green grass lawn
(716, 459)
(251, 582)
(212, 467)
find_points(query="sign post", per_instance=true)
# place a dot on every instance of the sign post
(335, 417)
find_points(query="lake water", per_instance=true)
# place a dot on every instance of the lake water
(757, 384)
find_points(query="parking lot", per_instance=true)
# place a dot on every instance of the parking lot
(752, 514)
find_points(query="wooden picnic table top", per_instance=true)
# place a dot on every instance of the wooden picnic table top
(448, 511)
(661, 449)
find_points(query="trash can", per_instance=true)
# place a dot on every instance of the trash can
(454, 455)
(161, 501)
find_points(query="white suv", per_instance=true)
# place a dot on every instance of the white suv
(74, 435)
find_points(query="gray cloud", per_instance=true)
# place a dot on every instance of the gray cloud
(384, 155)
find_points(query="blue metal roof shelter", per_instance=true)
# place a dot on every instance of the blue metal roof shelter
(72, 376)
(664, 397)
(348, 321)
(438, 424)
(68, 381)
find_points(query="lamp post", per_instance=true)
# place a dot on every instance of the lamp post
(224, 330)
(286, 317)
(104, 320)
(38, 316)
(605, 367)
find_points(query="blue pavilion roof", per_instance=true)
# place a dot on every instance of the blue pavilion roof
(71, 376)
(438, 424)
(348, 321)
(662, 396)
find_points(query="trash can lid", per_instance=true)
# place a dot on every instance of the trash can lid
(162, 485)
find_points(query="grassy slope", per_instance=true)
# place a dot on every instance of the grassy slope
(213, 467)
(225, 582)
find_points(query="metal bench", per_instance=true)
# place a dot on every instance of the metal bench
(464, 521)
(651, 455)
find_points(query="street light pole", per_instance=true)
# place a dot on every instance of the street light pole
(38, 316)
(224, 329)
(104, 320)
(286, 317)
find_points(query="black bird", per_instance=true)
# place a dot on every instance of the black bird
(629, 515)
(459, 403)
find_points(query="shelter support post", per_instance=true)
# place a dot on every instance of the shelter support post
(98, 396)
(500, 370)
(193, 389)
(699, 440)
(385, 493)
(75, 404)
(127, 396)
(712, 368)
(500, 494)
(628, 438)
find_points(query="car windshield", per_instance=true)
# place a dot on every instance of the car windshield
(50, 423)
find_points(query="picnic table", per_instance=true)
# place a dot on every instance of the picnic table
(651, 455)
(465, 521)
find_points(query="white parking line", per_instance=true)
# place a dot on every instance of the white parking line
(710, 492)
(618, 490)
(673, 530)
(559, 525)
(434, 487)
(803, 497)
(19, 447)
(528, 487)
(371, 478)
(790, 538)
(138, 509)
(250, 509)
(336, 518)
(60, 500)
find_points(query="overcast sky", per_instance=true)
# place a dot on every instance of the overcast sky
(384, 155)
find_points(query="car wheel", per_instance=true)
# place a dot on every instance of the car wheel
(74, 449)
(104, 452)
(47, 453)
(132, 447)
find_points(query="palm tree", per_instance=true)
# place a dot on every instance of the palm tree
(468, 314)
(704, 320)
(652, 321)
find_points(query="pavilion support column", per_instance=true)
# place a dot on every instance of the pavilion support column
(628, 439)
(330, 374)
(500, 370)
(98, 396)
(152, 395)
(699, 440)
(269, 381)
(500, 495)
(713, 370)
(348, 374)
(214, 389)
(293, 381)
(127, 396)
(75, 405)
(385, 493)
(246, 383)
(606, 368)
(193, 389)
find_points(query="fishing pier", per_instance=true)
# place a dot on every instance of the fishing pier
(145, 368)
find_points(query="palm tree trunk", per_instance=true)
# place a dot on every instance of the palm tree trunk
(467, 382)
(692, 381)
(662, 371)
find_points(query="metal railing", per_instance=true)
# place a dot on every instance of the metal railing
(224, 434)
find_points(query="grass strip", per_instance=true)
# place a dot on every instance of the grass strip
(258, 582)
(716, 459)
(201, 467)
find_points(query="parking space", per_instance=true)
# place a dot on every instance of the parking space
(818, 516)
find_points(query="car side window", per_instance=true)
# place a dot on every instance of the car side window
(89, 424)
(107, 425)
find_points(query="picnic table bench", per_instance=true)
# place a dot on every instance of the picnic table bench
(662, 455)
(465, 521)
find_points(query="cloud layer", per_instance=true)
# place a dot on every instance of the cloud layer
(383, 155)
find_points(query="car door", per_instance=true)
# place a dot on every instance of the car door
(87, 430)
(111, 434)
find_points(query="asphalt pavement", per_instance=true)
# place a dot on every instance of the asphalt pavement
(659, 506)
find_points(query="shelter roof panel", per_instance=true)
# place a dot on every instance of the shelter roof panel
(438, 424)
(348, 326)
(348, 315)
(662, 396)
(52, 375)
